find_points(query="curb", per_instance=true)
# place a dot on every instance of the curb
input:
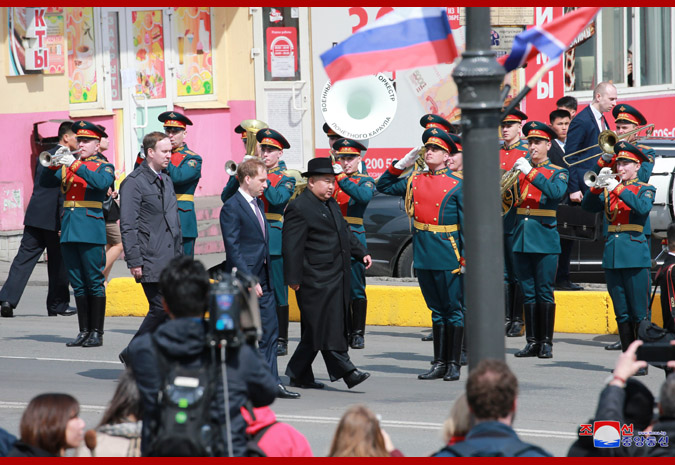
(587, 312)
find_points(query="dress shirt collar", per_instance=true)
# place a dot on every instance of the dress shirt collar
(246, 195)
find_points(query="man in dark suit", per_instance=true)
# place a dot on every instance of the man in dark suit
(317, 247)
(149, 224)
(42, 223)
(583, 133)
(666, 279)
(560, 121)
(246, 235)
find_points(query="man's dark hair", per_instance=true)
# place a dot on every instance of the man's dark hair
(249, 168)
(150, 140)
(184, 284)
(568, 102)
(671, 236)
(558, 114)
(667, 397)
(65, 128)
(491, 390)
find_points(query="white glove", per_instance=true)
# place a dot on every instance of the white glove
(67, 160)
(611, 184)
(523, 165)
(248, 157)
(408, 160)
(607, 156)
(337, 169)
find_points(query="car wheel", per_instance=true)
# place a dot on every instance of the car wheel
(404, 265)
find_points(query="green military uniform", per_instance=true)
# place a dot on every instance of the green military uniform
(85, 184)
(185, 171)
(626, 258)
(435, 202)
(536, 244)
(353, 193)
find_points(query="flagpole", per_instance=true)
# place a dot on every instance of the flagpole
(530, 85)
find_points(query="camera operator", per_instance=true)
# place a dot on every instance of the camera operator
(184, 285)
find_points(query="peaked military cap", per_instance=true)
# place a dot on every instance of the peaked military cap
(515, 116)
(321, 165)
(329, 131)
(627, 151)
(440, 138)
(173, 119)
(539, 130)
(271, 137)
(348, 148)
(457, 140)
(87, 129)
(242, 131)
(629, 114)
(435, 121)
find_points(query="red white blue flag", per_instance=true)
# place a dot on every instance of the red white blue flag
(401, 39)
(551, 39)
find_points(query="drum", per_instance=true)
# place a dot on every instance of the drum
(662, 213)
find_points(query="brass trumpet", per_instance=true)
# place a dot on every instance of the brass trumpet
(251, 126)
(46, 159)
(607, 140)
(599, 180)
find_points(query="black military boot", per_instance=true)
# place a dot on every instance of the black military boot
(464, 357)
(439, 365)
(97, 312)
(359, 309)
(546, 322)
(531, 349)
(517, 329)
(641, 371)
(508, 307)
(82, 303)
(454, 351)
(626, 335)
(428, 337)
(614, 346)
(282, 340)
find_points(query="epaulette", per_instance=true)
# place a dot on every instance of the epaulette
(458, 175)
(551, 165)
(190, 152)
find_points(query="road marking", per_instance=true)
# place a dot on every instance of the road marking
(48, 359)
(335, 420)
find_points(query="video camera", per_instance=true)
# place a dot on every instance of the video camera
(234, 315)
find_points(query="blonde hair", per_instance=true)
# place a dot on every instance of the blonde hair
(459, 420)
(358, 435)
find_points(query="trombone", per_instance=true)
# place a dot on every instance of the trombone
(607, 140)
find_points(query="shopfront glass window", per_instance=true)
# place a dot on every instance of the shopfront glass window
(655, 46)
(80, 35)
(148, 36)
(613, 45)
(192, 40)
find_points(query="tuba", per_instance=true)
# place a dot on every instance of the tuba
(251, 126)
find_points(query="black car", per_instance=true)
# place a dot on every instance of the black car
(388, 228)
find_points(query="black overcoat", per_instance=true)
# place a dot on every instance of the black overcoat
(317, 247)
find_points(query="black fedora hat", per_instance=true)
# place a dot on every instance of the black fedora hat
(319, 166)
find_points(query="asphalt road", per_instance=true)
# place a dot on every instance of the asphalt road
(555, 395)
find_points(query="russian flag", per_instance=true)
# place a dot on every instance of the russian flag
(401, 39)
(551, 39)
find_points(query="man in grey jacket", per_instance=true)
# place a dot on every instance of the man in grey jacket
(149, 224)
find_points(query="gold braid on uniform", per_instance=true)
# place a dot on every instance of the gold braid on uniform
(409, 206)
(65, 181)
(611, 215)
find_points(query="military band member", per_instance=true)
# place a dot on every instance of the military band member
(280, 188)
(185, 170)
(84, 182)
(434, 200)
(434, 121)
(536, 243)
(626, 258)
(512, 149)
(353, 192)
(332, 138)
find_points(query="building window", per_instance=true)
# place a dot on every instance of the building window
(632, 47)
(192, 43)
(84, 65)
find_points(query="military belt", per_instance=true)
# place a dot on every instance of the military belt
(82, 204)
(274, 217)
(536, 212)
(624, 228)
(185, 197)
(354, 220)
(441, 228)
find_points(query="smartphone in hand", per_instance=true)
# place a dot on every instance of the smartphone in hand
(656, 352)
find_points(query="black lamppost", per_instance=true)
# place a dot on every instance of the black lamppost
(478, 77)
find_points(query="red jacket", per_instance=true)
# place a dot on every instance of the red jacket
(281, 439)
